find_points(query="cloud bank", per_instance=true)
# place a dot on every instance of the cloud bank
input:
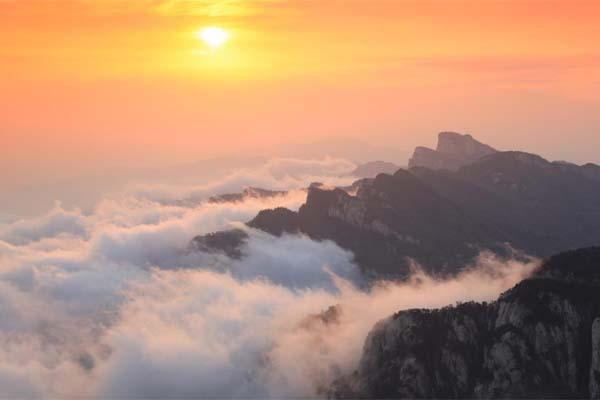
(275, 174)
(115, 303)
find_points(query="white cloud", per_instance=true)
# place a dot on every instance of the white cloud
(276, 174)
(115, 304)
(56, 222)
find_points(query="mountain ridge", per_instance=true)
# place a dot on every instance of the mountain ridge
(442, 219)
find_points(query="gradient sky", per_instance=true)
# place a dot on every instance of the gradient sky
(93, 84)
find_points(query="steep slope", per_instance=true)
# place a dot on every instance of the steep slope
(540, 339)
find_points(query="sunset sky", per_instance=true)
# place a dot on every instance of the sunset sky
(93, 84)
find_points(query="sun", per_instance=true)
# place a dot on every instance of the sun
(213, 36)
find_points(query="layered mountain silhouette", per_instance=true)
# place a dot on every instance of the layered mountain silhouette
(443, 218)
(540, 339)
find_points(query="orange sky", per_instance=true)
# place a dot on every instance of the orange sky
(88, 84)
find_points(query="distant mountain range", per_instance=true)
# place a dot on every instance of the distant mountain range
(443, 218)
(540, 339)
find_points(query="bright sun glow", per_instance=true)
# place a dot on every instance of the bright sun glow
(213, 36)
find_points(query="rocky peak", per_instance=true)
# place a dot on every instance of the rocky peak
(459, 145)
(276, 221)
(453, 151)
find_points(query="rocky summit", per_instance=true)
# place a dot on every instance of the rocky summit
(453, 151)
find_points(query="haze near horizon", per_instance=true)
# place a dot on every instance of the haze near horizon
(90, 86)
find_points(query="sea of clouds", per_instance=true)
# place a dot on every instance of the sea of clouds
(116, 303)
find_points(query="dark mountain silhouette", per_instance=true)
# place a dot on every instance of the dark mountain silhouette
(229, 242)
(540, 339)
(537, 206)
(442, 219)
(453, 151)
(390, 218)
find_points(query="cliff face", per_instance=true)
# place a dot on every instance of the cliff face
(391, 218)
(540, 339)
(453, 151)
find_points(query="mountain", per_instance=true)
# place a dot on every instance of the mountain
(248, 193)
(453, 151)
(373, 168)
(442, 219)
(540, 339)
(390, 218)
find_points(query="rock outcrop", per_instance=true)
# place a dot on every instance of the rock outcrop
(453, 151)
(541, 339)
(276, 221)
(228, 242)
